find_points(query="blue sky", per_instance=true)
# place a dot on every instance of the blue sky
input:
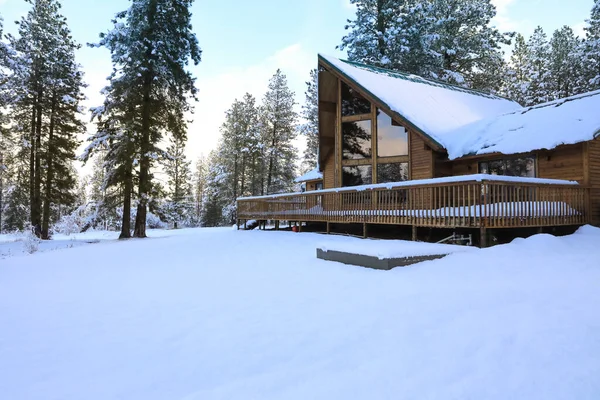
(244, 42)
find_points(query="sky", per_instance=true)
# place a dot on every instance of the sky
(244, 42)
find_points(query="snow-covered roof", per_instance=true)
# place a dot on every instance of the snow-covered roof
(566, 121)
(436, 108)
(312, 175)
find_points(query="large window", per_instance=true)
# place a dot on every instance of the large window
(356, 140)
(353, 103)
(392, 139)
(394, 172)
(523, 166)
(357, 175)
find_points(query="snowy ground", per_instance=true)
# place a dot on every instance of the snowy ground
(221, 314)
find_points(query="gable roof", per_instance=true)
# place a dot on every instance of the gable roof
(435, 108)
(545, 126)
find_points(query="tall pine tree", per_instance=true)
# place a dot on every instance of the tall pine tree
(279, 132)
(565, 64)
(517, 78)
(310, 129)
(450, 40)
(45, 86)
(592, 49)
(151, 45)
(179, 193)
(538, 68)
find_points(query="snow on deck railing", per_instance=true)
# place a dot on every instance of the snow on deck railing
(425, 182)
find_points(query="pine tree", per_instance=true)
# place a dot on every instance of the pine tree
(279, 131)
(464, 47)
(592, 49)
(4, 145)
(538, 68)
(151, 44)
(565, 63)
(114, 144)
(310, 129)
(179, 191)
(517, 78)
(200, 178)
(46, 86)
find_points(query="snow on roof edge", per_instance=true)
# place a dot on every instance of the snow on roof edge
(311, 175)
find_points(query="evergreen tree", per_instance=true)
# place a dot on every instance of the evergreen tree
(279, 131)
(45, 86)
(151, 44)
(517, 79)
(464, 48)
(4, 146)
(386, 33)
(450, 40)
(538, 68)
(179, 176)
(310, 129)
(565, 63)
(592, 49)
(200, 178)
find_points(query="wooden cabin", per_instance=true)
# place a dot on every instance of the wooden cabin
(399, 149)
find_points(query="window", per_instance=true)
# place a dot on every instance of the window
(357, 175)
(394, 172)
(353, 103)
(392, 139)
(356, 140)
(319, 186)
(523, 167)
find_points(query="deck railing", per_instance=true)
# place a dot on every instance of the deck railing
(477, 201)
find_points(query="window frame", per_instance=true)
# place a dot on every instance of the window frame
(504, 160)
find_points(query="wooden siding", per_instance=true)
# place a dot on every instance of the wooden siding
(329, 173)
(421, 158)
(594, 179)
(563, 162)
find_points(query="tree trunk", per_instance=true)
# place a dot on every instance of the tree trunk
(145, 180)
(126, 222)
(32, 164)
(37, 181)
(49, 172)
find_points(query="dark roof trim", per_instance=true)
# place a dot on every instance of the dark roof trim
(381, 104)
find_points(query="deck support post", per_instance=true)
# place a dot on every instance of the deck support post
(328, 228)
(414, 233)
(299, 226)
(245, 224)
(277, 225)
(483, 237)
(364, 230)
(290, 224)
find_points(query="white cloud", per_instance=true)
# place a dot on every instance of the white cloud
(502, 20)
(578, 29)
(217, 93)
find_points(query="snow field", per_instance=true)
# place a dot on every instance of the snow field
(224, 314)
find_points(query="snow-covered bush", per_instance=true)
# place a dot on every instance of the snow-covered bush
(154, 222)
(69, 224)
(31, 242)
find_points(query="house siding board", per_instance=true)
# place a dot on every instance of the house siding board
(329, 173)
(564, 162)
(421, 158)
(594, 177)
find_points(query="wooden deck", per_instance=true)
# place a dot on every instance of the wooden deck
(471, 202)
